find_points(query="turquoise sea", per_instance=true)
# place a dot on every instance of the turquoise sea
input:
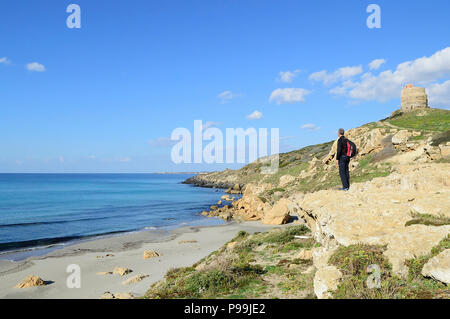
(41, 210)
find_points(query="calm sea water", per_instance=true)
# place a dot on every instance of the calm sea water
(45, 209)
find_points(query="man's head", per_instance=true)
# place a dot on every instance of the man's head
(341, 132)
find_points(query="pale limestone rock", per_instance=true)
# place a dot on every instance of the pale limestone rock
(150, 254)
(109, 295)
(376, 212)
(279, 214)
(320, 257)
(121, 271)
(410, 242)
(438, 267)
(325, 280)
(445, 150)
(250, 206)
(305, 254)
(30, 281)
(231, 245)
(401, 137)
(134, 279)
(285, 180)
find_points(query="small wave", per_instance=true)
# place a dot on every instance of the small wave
(51, 241)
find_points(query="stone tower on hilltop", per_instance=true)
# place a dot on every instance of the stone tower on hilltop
(413, 98)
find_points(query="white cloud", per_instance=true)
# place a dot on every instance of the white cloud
(5, 60)
(439, 94)
(61, 159)
(287, 76)
(340, 74)
(35, 67)
(388, 84)
(125, 159)
(256, 115)
(288, 95)
(376, 64)
(310, 127)
(227, 96)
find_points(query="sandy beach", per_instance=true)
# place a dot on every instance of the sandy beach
(103, 255)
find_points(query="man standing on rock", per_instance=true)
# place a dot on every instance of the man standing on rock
(342, 160)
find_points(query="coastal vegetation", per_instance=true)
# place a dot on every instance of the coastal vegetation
(260, 265)
(354, 260)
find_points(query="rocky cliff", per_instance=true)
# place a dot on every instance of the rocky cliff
(399, 200)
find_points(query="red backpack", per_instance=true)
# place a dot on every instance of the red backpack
(351, 149)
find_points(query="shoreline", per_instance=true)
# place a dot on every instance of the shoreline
(126, 250)
(18, 254)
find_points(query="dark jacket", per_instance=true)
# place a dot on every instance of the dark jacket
(341, 147)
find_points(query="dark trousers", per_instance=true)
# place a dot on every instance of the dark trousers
(344, 171)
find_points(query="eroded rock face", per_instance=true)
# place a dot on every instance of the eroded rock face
(30, 281)
(325, 280)
(250, 206)
(278, 214)
(438, 267)
(376, 212)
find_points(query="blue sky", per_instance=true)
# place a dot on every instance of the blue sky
(106, 97)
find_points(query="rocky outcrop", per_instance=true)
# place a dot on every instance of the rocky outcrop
(250, 206)
(278, 214)
(30, 281)
(285, 180)
(376, 212)
(325, 281)
(226, 179)
(438, 267)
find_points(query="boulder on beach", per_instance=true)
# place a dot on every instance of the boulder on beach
(134, 279)
(30, 281)
(278, 214)
(122, 271)
(109, 295)
(150, 254)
